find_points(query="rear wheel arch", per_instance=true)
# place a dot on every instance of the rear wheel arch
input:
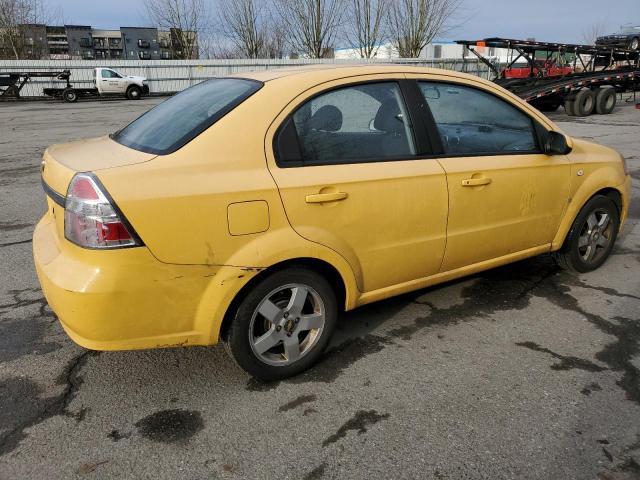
(322, 267)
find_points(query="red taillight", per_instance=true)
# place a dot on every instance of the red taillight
(83, 187)
(91, 220)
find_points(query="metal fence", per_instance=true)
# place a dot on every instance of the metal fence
(169, 76)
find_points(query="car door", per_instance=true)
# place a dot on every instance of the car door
(505, 195)
(346, 162)
(111, 81)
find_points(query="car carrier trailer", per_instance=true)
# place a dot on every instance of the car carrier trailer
(597, 73)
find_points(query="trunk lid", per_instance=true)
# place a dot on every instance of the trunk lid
(60, 162)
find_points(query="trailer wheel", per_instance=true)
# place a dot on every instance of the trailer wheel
(70, 95)
(134, 93)
(569, 107)
(584, 103)
(605, 100)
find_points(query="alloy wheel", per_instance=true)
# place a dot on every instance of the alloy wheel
(287, 324)
(595, 236)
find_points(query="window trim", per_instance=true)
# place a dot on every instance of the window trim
(432, 127)
(420, 141)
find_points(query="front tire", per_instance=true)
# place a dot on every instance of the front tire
(134, 93)
(591, 237)
(283, 324)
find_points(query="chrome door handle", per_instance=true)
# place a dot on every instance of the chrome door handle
(326, 197)
(475, 182)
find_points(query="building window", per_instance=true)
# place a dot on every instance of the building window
(437, 51)
(143, 43)
(85, 42)
(144, 55)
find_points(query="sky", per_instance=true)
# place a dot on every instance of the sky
(544, 20)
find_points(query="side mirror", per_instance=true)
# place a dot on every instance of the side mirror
(556, 144)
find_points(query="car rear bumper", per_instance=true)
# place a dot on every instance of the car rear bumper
(126, 299)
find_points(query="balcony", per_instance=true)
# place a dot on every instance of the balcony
(85, 42)
(143, 44)
(144, 55)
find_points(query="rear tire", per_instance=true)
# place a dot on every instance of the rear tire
(605, 100)
(134, 93)
(283, 325)
(70, 95)
(569, 107)
(634, 44)
(584, 103)
(591, 237)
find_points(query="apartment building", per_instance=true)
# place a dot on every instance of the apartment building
(76, 42)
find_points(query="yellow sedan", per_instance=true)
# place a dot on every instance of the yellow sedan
(253, 209)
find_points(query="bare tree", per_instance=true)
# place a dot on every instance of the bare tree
(413, 24)
(591, 33)
(17, 17)
(311, 26)
(275, 37)
(185, 19)
(243, 24)
(365, 27)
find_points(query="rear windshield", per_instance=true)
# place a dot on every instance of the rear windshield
(178, 120)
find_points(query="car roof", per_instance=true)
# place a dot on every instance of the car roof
(341, 70)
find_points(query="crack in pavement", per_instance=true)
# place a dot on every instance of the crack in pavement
(19, 242)
(566, 362)
(53, 406)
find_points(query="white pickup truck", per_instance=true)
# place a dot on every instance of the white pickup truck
(108, 82)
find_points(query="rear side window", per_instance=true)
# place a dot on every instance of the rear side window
(473, 122)
(178, 120)
(360, 123)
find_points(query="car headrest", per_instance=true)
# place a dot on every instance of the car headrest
(387, 119)
(327, 119)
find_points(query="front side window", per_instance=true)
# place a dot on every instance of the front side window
(109, 74)
(473, 122)
(365, 122)
(176, 121)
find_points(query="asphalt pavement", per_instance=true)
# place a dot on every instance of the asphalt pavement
(521, 372)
